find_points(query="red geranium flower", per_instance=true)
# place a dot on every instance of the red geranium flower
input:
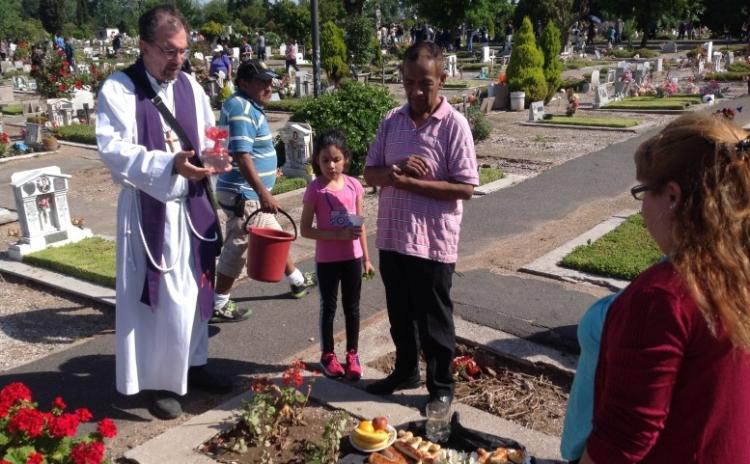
(27, 420)
(107, 428)
(64, 426)
(88, 453)
(83, 414)
(59, 403)
(35, 458)
(293, 375)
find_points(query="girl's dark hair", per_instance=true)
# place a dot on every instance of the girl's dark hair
(334, 138)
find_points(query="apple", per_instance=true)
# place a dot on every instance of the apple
(380, 423)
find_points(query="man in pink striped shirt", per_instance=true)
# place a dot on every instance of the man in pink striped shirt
(423, 158)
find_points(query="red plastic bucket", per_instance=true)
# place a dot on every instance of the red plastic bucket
(268, 250)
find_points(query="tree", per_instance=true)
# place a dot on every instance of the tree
(82, 12)
(525, 73)
(450, 14)
(559, 11)
(646, 13)
(359, 36)
(550, 45)
(9, 18)
(333, 52)
(293, 20)
(52, 14)
(211, 30)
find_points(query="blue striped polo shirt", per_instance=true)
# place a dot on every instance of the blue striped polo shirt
(248, 133)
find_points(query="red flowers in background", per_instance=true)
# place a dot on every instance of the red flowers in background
(37, 437)
(465, 367)
(293, 374)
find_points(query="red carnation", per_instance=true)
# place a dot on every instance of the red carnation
(35, 458)
(64, 426)
(107, 428)
(83, 414)
(27, 420)
(88, 453)
(59, 403)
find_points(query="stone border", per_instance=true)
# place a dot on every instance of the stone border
(8, 159)
(507, 181)
(76, 144)
(633, 129)
(547, 266)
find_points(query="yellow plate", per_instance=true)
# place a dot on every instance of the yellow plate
(386, 444)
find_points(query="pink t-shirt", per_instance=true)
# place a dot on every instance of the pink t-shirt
(410, 223)
(332, 208)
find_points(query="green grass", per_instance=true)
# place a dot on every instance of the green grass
(92, 259)
(12, 110)
(591, 121)
(287, 184)
(622, 253)
(487, 175)
(79, 133)
(675, 102)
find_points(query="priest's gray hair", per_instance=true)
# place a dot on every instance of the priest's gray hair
(162, 16)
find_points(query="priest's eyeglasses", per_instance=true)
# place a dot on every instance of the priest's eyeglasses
(639, 191)
(172, 52)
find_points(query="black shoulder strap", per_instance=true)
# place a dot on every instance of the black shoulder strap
(169, 118)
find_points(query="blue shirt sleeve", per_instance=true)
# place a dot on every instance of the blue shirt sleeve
(242, 126)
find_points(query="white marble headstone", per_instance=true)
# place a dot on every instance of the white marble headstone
(536, 111)
(297, 139)
(595, 78)
(485, 54)
(602, 96)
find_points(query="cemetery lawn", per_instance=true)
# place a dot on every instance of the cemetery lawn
(622, 253)
(675, 102)
(591, 121)
(287, 184)
(487, 175)
(12, 110)
(79, 133)
(92, 259)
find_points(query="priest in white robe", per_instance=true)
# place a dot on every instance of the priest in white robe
(167, 231)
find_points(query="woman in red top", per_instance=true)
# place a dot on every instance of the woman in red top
(673, 379)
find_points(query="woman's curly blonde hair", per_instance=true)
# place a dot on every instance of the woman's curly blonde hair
(707, 157)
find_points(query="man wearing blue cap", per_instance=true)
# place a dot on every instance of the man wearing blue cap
(247, 187)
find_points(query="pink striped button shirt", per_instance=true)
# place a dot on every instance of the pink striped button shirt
(414, 224)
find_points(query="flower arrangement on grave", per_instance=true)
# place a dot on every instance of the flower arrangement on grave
(53, 76)
(31, 436)
(666, 89)
(4, 142)
(573, 103)
(285, 87)
(712, 88)
(23, 51)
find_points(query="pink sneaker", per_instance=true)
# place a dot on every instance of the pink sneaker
(353, 367)
(331, 366)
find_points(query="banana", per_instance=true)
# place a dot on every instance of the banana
(370, 439)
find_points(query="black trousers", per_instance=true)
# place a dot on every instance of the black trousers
(420, 311)
(349, 274)
(291, 64)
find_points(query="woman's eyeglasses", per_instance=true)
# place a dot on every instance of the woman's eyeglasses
(639, 191)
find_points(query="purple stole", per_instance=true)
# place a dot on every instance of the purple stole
(200, 209)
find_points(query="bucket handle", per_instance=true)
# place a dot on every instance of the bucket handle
(294, 224)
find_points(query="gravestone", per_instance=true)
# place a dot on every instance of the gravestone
(236, 53)
(601, 97)
(33, 133)
(730, 58)
(268, 53)
(536, 111)
(716, 61)
(42, 203)
(502, 98)
(659, 64)
(18, 64)
(451, 64)
(59, 111)
(485, 54)
(595, 79)
(611, 76)
(709, 46)
(701, 66)
(670, 47)
(20, 83)
(640, 74)
(300, 85)
(297, 139)
(32, 84)
(82, 97)
(597, 54)
(26, 68)
(5, 66)
(282, 49)
(620, 88)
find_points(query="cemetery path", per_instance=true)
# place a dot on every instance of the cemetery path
(523, 219)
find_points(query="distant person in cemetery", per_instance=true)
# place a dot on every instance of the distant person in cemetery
(220, 63)
(261, 46)
(291, 55)
(247, 187)
(168, 234)
(423, 159)
(117, 44)
(69, 53)
(673, 370)
(246, 51)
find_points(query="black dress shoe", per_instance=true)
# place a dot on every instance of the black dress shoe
(164, 405)
(393, 383)
(202, 378)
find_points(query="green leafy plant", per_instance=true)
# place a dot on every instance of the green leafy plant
(356, 109)
(333, 52)
(525, 72)
(550, 44)
(211, 29)
(30, 436)
(327, 449)
(480, 126)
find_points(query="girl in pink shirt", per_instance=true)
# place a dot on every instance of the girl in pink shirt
(335, 200)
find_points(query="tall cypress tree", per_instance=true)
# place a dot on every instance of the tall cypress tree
(82, 12)
(525, 73)
(550, 44)
(52, 15)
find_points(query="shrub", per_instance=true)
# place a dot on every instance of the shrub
(550, 44)
(571, 83)
(480, 126)
(630, 53)
(739, 67)
(359, 41)
(726, 76)
(287, 184)
(288, 104)
(80, 133)
(525, 73)
(211, 29)
(333, 52)
(356, 109)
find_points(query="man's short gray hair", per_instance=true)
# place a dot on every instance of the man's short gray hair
(160, 16)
